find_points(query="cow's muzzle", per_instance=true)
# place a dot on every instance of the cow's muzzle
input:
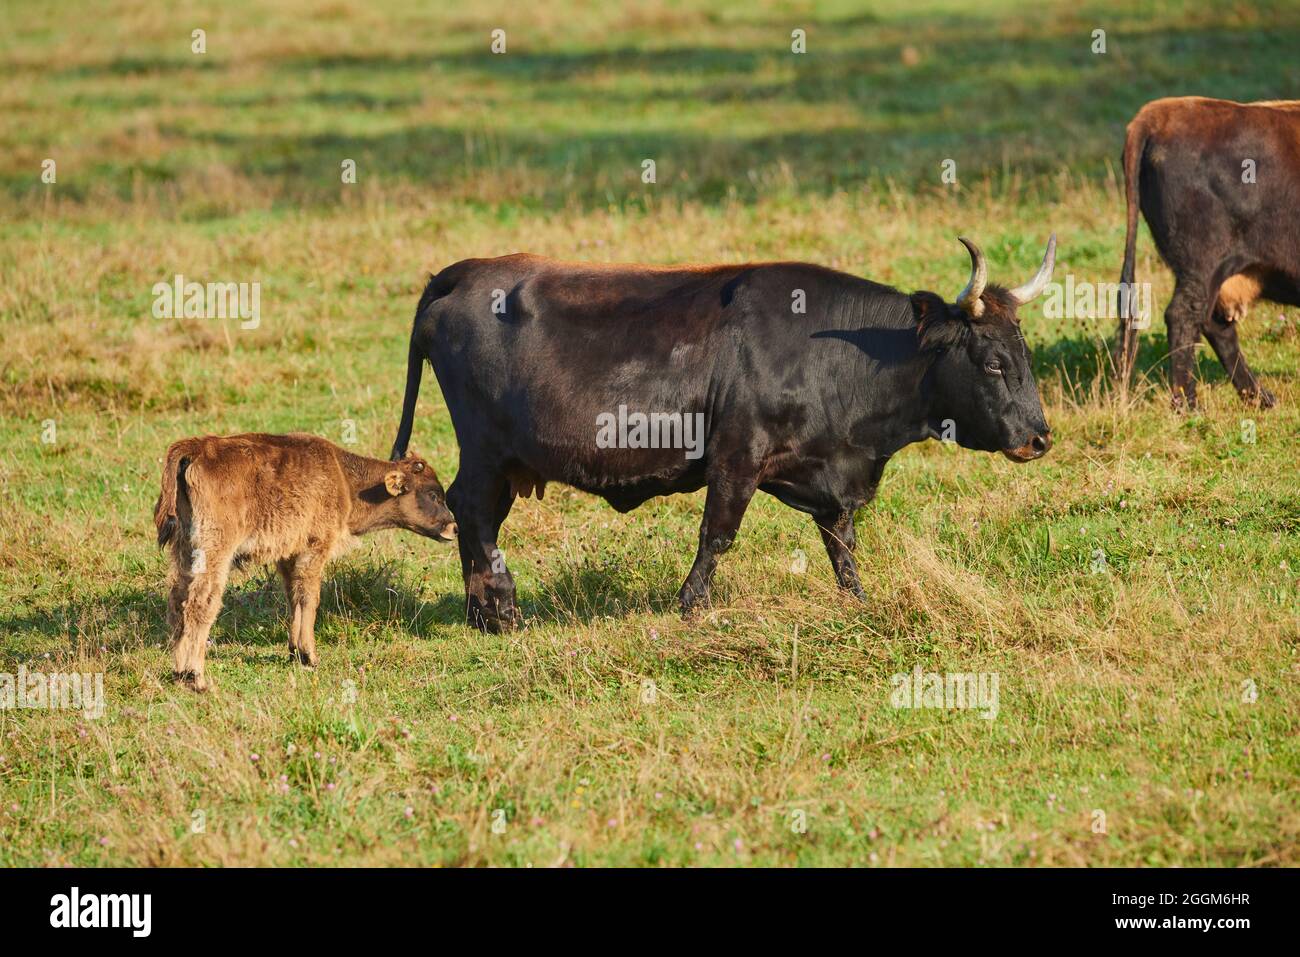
(1035, 448)
(448, 532)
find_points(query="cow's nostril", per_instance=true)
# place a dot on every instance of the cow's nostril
(1041, 443)
(450, 530)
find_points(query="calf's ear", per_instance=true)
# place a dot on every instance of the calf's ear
(395, 482)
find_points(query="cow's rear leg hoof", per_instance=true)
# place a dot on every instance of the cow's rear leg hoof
(298, 656)
(1183, 401)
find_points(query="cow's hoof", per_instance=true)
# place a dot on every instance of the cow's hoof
(1263, 398)
(692, 605)
(298, 656)
(505, 618)
(856, 592)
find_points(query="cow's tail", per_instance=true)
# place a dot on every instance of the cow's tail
(437, 288)
(164, 512)
(414, 370)
(1126, 339)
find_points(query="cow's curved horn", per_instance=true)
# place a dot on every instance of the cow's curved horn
(969, 298)
(1030, 290)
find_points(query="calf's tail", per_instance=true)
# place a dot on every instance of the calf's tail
(1126, 340)
(164, 512)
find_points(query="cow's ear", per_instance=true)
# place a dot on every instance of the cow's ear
(936, 327)
(395, 482)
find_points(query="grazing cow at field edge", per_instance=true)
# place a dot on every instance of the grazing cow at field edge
(296, 500)
(803, 382)
(1219, 185)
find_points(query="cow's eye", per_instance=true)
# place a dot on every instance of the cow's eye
(993, 367)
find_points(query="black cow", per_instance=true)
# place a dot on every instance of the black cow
(1219, 185)
(807, 381)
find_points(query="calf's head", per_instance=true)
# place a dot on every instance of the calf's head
(417, 499)
(983, 391)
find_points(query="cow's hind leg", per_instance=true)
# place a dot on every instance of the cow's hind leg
(840, 540)
(480, 505)
(1222, 336)
(1184, 318)
(724, 509)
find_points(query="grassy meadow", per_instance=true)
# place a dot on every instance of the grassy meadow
(1136, 591)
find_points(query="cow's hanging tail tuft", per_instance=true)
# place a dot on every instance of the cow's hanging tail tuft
(164, 512)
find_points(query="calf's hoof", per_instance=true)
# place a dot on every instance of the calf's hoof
(195, 682)
(301, 657)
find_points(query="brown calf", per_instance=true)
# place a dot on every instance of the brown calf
(296, 500)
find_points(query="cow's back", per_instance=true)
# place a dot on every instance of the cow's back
(531, 353)
(1217, 171)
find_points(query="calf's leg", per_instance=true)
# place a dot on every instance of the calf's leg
(286, 568)
(199, 610)
(480, 503)
(178, 585)
(302, 579)
(724, 509)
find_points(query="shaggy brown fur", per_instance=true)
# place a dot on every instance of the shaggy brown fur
(296, 500)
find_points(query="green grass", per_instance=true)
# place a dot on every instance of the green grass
(1121, 690)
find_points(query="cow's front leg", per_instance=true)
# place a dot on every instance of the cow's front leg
(480, 507)
(840, 539)
(724, 508)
